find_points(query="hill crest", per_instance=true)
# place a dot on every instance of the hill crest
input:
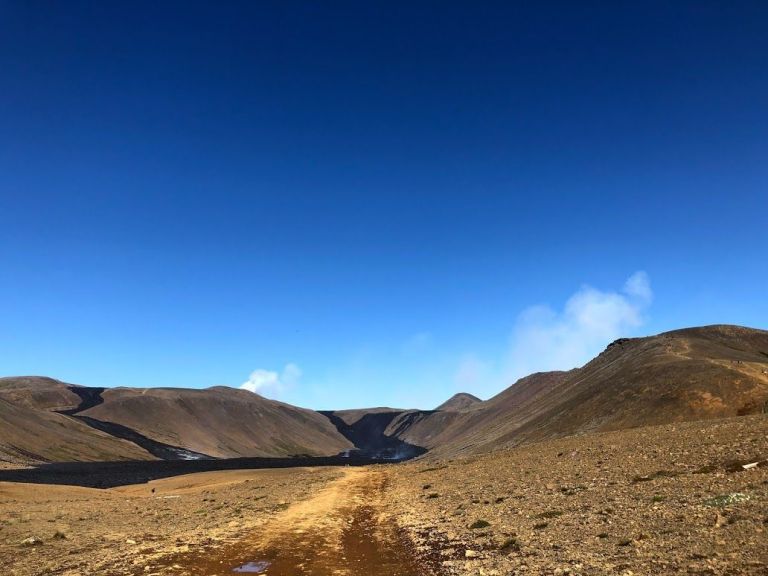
(459, 401)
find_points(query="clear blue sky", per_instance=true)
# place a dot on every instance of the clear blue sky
(374, 193)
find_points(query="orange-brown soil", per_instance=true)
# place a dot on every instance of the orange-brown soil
(655, 500)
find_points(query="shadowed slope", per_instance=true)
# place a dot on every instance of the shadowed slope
(44, 420)
(91, 397)
(31, 432)
(222, 422)
(366, 430)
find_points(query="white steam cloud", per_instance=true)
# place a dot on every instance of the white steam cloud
(272, 384)
(472, 373)
(545, 339)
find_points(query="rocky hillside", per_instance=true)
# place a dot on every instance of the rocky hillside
(42, 420)
(683, 375)
(220, 422)
(31, 431)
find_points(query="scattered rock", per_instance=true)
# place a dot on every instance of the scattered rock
(720, 520)
(32, 541)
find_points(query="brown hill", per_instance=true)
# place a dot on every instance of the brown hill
(221, 422)
(31, 432)
(691, 374)
(44, 420)
(460, 401)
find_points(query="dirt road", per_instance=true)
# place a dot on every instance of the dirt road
(657, 500)
(343, 529)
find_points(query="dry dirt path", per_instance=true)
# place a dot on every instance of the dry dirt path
(344, 529)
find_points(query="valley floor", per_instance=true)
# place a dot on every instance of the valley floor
(659, 500)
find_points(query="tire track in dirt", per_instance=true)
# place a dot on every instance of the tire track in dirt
(343, 530)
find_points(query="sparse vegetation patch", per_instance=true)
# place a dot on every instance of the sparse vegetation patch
(727, 499)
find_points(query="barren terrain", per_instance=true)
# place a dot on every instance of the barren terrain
(655, 500)
(665, 499)
(684, 375)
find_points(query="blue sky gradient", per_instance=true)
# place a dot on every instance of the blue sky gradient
(394, 200)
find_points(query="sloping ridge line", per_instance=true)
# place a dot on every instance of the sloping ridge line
(90, 397)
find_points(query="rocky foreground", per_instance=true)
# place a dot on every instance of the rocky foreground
(689, 498)
(683, 498)
(74, 531)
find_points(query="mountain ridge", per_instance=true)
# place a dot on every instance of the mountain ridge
(685, 374)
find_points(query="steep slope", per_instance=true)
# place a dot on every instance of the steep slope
(690, 374)
(30, 432)
(44, 420)
(466, 430)
(460, 401)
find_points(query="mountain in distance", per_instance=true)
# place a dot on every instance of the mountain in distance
(221, 422)
(45, 420)
(460, 401)
(31, 431)
(690, 374)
